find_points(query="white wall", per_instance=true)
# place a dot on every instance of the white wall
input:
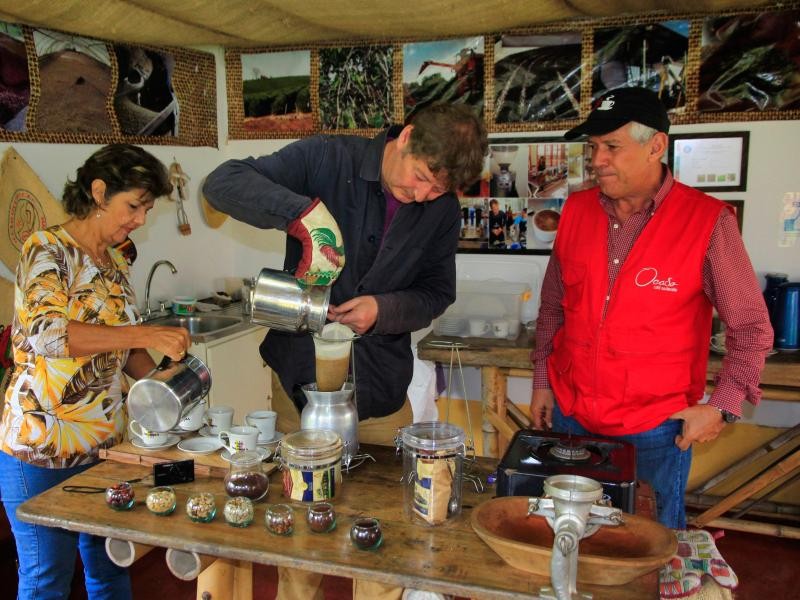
(207, 256)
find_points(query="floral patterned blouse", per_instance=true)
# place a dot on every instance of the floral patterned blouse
(59, 410)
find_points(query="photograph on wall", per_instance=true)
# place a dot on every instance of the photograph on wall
(443, 71)
(750, 63)
(355, 87)
(652, 56)
(276, 91)
(537, 77)
(145, 101)
(75, 81)
(525, 183)
(15, 87)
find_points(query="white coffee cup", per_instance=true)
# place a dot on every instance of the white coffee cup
(239, 438)
(264, 421)
(194, 419)
(219, 418)
(147, 437)
(478, 327)
(500, 328)
(545, 224)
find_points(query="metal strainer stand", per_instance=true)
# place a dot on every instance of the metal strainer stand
(470, 470)
(355, 460)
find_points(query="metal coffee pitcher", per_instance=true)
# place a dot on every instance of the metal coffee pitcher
(278, 301)
(335, 411)
(161, 398)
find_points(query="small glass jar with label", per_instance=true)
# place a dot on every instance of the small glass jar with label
(201, 507)
(279, 519)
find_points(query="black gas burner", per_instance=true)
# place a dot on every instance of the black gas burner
(569, 452)
(532, 456)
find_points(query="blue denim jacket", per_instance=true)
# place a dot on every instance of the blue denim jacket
(411, 272)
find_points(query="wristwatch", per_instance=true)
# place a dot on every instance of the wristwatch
(727, 417)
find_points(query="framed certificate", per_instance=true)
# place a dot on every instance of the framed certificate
(712, 162)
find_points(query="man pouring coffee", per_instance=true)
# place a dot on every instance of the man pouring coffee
(380, 217)
(623, 332)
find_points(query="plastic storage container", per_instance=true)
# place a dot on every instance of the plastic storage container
(184, 305)
(311, 460)
(433, 460)
(485, 309)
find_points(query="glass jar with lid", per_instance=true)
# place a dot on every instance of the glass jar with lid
(311, 460)
(246, 476)
(433, 461)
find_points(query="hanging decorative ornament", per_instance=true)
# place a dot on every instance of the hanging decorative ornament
(179, 179)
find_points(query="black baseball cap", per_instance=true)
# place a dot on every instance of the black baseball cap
(619, 107)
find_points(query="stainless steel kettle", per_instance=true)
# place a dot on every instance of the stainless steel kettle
(158, 400)
(279, 302)
(335, 411)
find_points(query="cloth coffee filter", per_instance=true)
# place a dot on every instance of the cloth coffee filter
(26, 206)
(333, 341)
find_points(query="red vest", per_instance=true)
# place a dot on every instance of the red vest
(628, 370)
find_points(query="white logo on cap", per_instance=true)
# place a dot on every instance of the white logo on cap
(607, 104)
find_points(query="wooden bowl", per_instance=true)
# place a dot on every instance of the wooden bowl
(612, 556)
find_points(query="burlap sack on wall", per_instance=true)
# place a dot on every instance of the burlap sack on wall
(6, 301)
(26, 206)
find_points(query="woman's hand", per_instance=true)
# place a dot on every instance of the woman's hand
(170, 341)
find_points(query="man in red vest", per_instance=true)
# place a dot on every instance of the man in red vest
(623, 331)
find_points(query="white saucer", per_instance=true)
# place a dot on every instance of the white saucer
(200, 445)
(172, 439)
(263, 454)
(205, 431)
(275, 438)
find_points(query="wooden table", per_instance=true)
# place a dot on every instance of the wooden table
(499, 359)
(449, 558)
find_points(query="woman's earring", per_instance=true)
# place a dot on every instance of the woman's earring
(98, 213)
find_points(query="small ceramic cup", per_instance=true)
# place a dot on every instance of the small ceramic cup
(239, 438)
(219, 418)
(264, 421)
(147, 437)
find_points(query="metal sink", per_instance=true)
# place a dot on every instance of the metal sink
(202, 328)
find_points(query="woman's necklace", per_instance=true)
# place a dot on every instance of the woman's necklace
(101, 259)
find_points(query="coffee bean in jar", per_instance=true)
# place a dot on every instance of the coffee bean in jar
(321, 517)
(246, 477)
(201, 507)
(279, 519)
(239, 511)
(120, 496)
(366, 533)
(161, 500)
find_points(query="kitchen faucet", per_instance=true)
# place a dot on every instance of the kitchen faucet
(147, 312)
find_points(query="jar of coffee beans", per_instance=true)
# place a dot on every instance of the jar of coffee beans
(239, 511)
(279, 519)
(201, 507)
(161, 500)
(366, 533)
(246, 477)
(321, 517)
(120, 496)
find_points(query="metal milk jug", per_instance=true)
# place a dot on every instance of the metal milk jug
(335, 411)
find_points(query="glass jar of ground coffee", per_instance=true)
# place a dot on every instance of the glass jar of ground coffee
(246, 477)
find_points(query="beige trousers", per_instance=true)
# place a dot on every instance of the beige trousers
(296, 584)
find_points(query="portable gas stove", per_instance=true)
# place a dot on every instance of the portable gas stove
(533, 456)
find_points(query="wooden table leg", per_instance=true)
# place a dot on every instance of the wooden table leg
(493, 397)
(226, 579)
